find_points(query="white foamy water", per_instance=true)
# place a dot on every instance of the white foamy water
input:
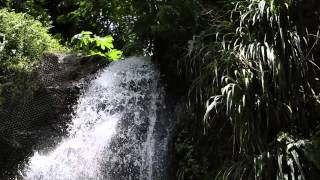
(113, 133)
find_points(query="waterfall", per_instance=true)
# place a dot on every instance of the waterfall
(115, 132)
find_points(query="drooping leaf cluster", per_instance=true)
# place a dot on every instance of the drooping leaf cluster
(256, 68)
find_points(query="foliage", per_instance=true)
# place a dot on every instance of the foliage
(120, 18)
(34, 8)
(312, 149)
(256, 65)
(189, 164)
(125, 20)
(129, 21)
(23, 40)
(96, 45)
(253, 65)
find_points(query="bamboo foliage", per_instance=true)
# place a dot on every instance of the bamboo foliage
(256, 67)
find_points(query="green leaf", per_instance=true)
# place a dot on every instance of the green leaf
(96, 45)
(86, 32)
(114, 54)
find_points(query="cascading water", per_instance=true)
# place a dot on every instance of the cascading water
(115, 133)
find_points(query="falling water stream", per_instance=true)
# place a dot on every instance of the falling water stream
(115, 132)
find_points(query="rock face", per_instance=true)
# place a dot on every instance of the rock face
(46, 113)
(62, 76)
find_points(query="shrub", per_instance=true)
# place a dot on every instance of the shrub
(22, 43)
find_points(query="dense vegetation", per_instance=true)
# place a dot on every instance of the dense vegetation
(23, 40)
(250, 70)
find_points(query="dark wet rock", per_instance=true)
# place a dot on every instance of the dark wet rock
(45, 114)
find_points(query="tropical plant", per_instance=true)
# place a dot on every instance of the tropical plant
(256, 65)
(96, 45)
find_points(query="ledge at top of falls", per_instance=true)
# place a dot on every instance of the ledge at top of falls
(62, 68)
